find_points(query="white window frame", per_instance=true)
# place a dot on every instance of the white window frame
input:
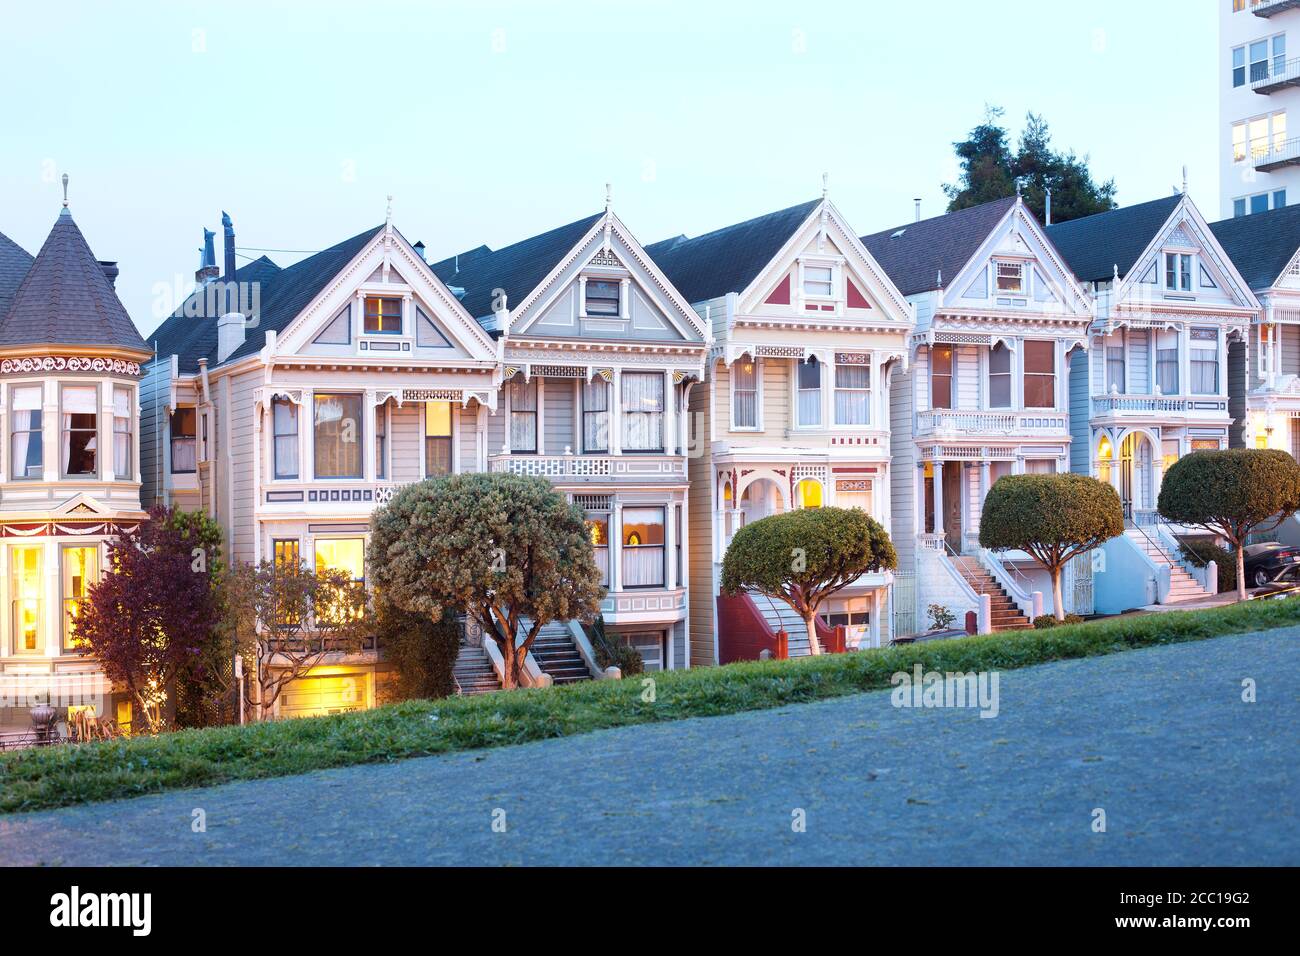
(454, 439)
(1019, 264)
(758, 397)
(1182, 254)
(870, 390)
(795, 393)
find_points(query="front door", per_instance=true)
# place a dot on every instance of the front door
(952, 488)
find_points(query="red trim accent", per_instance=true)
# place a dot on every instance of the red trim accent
(743, 633)
(856, 299)
(781, 294)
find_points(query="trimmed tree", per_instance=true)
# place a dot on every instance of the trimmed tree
(803, 557)
(1232, 494)
(154, 615)
(1054, 518)
(508, 551)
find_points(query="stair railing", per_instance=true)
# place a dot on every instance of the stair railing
(1006, 577)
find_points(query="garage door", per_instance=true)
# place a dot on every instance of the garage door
(314, 696)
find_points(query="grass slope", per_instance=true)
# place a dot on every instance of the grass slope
(60, 776)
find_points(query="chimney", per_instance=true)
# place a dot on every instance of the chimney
(230, 245)
(207, 270)
(230, 335)
(918, 208)
(419, 250)
(110, 272)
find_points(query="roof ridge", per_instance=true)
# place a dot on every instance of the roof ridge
(966, 210)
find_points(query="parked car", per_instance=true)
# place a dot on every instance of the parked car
(1270, 562)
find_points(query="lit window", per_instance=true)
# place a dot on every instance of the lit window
(643, 411)
(1238, 142)
(1040, 375)
(1000, 376)
(810, 392)
(286, 552)
(744, 394)
(347, 555)
(26, 445)
(595, 415)
(1011, 277)
(123, 462)
(81, 430)
(25, 589)
(643, 547)
(337, 437)
(819, 281)
(941, 362)
(523, 415)
(80, 571)
(809, 493)
(183, 438)
(284, 418)
(383, 315)
(437, 438)
(602, 297)
(598, 529)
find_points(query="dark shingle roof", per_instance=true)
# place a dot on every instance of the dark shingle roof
(65, 298)
(517, 268)
(727, 259)
(915, 254)
(1095, 245)
(14, 263)
(284, 293)
(1261, 245)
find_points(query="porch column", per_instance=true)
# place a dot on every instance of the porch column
(938, 497)
(986, 474)
(670, 415)
(615, 442)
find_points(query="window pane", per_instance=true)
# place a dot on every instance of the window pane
(80, 571)
(437, 419)
(818, 280)
(643, 407)
(810, 395)
(602, 298)
(1115, 378)
(941, 376)
(383, 315)
(852, 395)
(381, 441)
(284, 423)
(286, 552)
(598, 529)
(595, 415)
(338, 436)
(1258, 204)
(25, 589)
(745, 397)
(26, 452)
(342, 554)
(1167, 371)
(643, 547)
(1040, 357)
(80, 430)
(183, 433)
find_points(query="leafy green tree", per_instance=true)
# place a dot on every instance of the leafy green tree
(804, 557)
(990, 170)
(507, 550)
(1232, 494)
(421, 650)
(1052, 517)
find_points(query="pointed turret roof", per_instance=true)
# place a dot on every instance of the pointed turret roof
(65, 298)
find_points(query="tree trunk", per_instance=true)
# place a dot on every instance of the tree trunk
(1241, 573)
(814, 645)
(509, 673)
(1058, 603)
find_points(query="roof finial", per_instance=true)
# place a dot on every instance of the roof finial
(388, 215)
(1018, 192)
(825, 184)
(609, 197)
(1184, 179)
(65, 190)
(1116, 274)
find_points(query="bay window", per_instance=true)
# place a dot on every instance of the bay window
(81, 430)
(1205, 361)
(123, 460)
(643, 547)
(1000, 376)
(26, 441)
(643, 411)
(744, 394)
(80, 571)
(25, 588)
(598, 529)
(1040, 375)
(941, 368)
(284, 429)
(595, 415)
(182, 426)
(437, 438)
(852, 390)
(809, 381)
(338, 436)
(523, 415)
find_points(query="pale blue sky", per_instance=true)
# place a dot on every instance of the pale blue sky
(492, 121)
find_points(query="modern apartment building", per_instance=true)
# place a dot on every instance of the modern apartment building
(1259, 84)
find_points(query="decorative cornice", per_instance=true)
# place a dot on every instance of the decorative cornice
(66, 363)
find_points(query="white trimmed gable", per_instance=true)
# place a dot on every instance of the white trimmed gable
(824, 275)
(433, 324)
(607, 288)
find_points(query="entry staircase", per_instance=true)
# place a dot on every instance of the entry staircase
(1182, 586)
(556, 655)
(1006, 614)
(474, 672)
(781, 617)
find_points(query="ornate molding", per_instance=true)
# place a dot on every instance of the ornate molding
(69, 363)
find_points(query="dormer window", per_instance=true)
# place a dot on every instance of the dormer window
(383, 315)
(1011, 278)
(602, 297)
(1178, 272)
(819, 281)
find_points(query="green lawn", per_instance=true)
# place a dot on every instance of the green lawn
(60, 776)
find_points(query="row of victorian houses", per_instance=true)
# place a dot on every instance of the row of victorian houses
(674, 392)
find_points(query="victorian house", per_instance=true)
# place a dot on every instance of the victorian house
(1000, 321)
(792, 413)
(70, 364)
(599, 354)
(289, 403)
(1164, 374)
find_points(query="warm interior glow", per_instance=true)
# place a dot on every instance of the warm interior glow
(25, 592)
(1105, 450)
(437, 418)
(342, 554)
(810, 494)
(80, 571)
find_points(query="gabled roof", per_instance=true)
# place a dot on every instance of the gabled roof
(191, 338)
(916, 254)
(518, 269)
(727, 259)
(14, 263)
(1095, 245)
(65, 298)
(1261, 245)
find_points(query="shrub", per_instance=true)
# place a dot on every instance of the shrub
(612, 651)
(421, 650)
(1201, 552)
(1044, 621)
(940, 617)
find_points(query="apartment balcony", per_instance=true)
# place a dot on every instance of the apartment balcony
(957, 424)
(1148, 406)
(1279, 155)
(593, 469)
(1277, 76)
(1271, 8)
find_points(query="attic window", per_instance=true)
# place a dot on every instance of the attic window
(1178, 272)
(1011, 277)
(383, 315)
(818, 281)
(602, 298)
